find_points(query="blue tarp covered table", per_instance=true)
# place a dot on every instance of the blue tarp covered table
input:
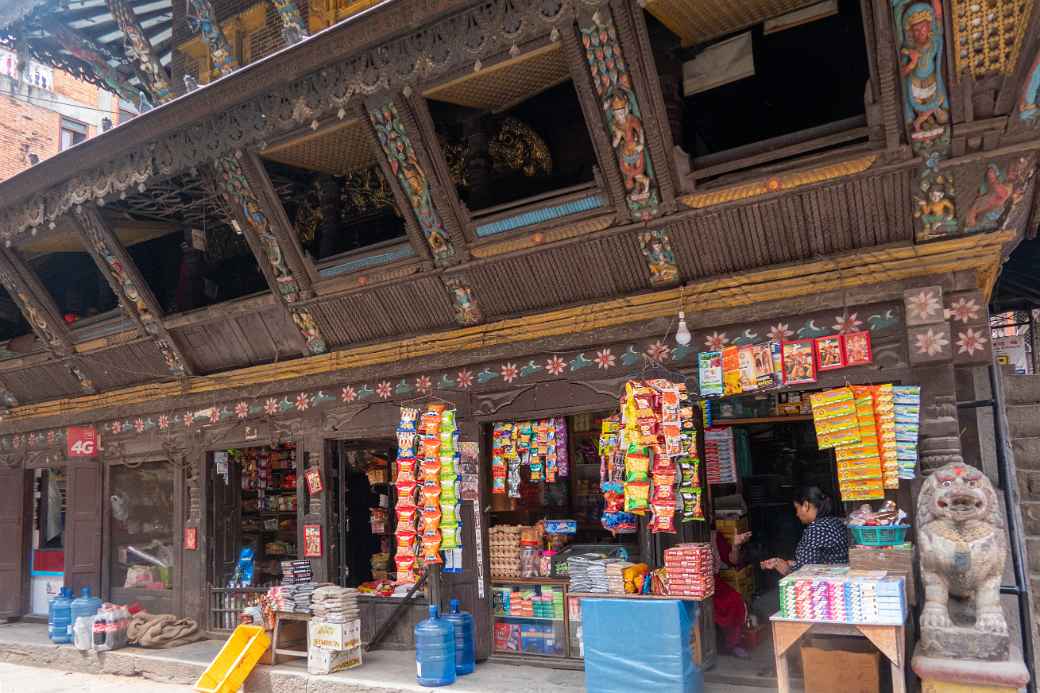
(640, 644)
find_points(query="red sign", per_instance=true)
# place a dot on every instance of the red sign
(81, 441)
(191, 538)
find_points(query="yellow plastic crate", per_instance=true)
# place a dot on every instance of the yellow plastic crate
(235, 661)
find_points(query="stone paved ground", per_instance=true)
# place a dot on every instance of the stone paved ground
(15, 678)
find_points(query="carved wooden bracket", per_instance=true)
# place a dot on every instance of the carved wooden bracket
(294, 29)
(409, 170)
(139, 49)
(621, 112)
(129, 286)
(98, 58)
(204, 20)
(257, 216)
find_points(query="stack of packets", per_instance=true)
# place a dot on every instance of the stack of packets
(541, 446)
(834, 593)
(616, 576)
(884, 419)
(720, 455)
(860, 474)
(907, 405)
(691, 570)
(296, 572)
(427, 463)
(737, 369)
(333, 604)
(648, 458)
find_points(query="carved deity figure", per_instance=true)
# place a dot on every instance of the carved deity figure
(629, 140)
(921, 56)
(963, 550)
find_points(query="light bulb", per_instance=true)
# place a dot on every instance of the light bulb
(682, 335)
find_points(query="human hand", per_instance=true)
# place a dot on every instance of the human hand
(768, 564)
(741, 538)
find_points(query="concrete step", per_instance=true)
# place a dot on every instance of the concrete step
(1022, 389)
(1024, 420)
(1027, 452)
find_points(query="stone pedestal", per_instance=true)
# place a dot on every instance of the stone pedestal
(941, 675)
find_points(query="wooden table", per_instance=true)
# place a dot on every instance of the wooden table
(891, 640)
(290, 632)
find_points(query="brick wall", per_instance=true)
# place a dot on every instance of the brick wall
(25, 129)
(68, 87)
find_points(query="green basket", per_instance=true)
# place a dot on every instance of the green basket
(883, 535)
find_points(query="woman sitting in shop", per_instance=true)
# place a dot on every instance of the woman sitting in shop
(825, 538)
(730, 610)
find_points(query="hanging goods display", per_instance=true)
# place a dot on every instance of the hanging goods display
(907, 414)
(649, 460)
(540, 446)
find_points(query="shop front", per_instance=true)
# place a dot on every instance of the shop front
(205, 510)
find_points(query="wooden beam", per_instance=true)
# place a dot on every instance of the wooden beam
(882, 266)
(204, 20)
(252, 218)
(93, 55)
(42, 315)
(139, 49)
(135, 296)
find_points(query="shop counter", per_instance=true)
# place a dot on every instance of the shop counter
(376, 610)
(530, 616)
(889, 639)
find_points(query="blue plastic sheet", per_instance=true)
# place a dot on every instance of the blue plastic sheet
(640, 645)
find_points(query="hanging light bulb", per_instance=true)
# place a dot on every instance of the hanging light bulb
(682, 334)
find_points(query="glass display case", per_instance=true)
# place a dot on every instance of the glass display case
(530, 617)
(142, 559)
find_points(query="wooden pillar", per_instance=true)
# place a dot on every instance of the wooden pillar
(315, 510)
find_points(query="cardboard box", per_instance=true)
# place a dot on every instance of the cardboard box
(333, 636)
(322, 661)
(849, 665)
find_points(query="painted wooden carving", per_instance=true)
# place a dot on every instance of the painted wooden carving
(204, 20)
(139, 49)
(35, 314)
(293, 28)
(936, 212)
(405, 166)
(239, 194)
(1000, 191)
(464, 300)
(657, 249)
(920, 30)
(85, 383)
(624, 120)
(127, 288)
(1029, 104)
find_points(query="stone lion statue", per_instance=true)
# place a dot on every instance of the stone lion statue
(962, 553)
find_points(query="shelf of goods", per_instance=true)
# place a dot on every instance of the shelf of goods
(530, 617)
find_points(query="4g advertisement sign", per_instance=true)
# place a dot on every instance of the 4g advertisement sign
(81, 441)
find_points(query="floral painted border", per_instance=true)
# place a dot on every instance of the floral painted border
(604, 360)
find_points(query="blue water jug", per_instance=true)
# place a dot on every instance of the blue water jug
(84, 605)
(435, 650)
(465, 650)
(59, 617)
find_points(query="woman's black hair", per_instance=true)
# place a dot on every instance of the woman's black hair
(814, 497)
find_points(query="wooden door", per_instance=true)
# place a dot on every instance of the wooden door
(14, 488)
(83, 526)
(225, 520)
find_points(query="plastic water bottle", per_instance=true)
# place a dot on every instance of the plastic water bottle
(84, 605)
(435, 650)
(465, 650)
(59, 617)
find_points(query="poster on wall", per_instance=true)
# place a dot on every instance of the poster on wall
(191, 538)
(81, 441)
(469, 469)
(314, 484)
(312, 541)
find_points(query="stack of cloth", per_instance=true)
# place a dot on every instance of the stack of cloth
(588, 572)
(282, 597)
(334, 604)
(616, 576)
(691, 570)
(296, 572)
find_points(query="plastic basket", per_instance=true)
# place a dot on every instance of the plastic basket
(884, 535)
